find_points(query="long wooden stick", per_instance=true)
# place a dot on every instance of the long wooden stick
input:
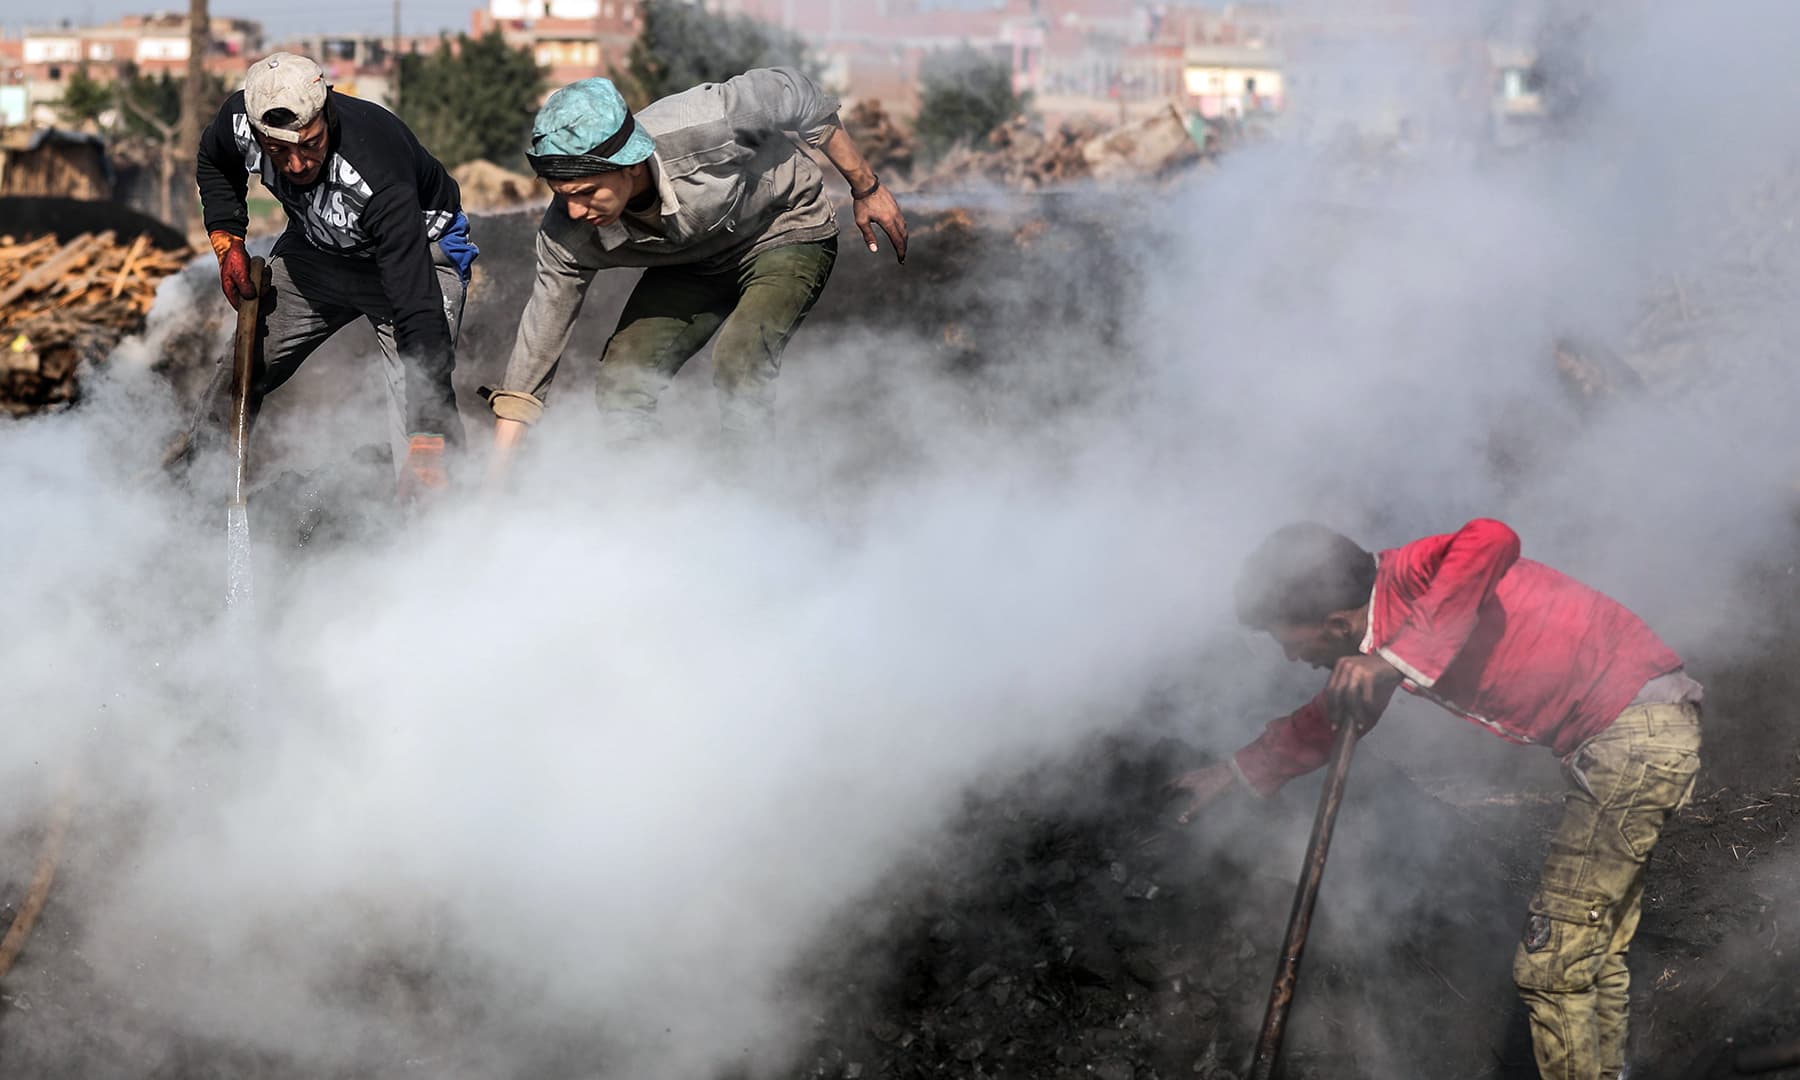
(243, 376)
(239, 578)
(38, 894)
(1287, 973)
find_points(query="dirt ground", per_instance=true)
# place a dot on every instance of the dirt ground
(1063, 928)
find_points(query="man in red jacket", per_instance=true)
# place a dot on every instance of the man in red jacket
(1535, 657)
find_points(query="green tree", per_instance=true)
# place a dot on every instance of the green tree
(472, 98)
(149, 122)
(963, 95)
(84, 98)
(683, 45)
(151, 104)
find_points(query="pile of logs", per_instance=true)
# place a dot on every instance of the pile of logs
(1023, 155)
(63, 303)
(1019, 154)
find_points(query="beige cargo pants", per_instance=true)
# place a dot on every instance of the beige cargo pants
(1570, 965)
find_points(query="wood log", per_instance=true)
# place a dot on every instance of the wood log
(14, 252)
(73, 255)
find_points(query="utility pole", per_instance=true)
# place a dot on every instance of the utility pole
(394, 79)
(193, 91)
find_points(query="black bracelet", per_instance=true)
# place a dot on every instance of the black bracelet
(874, 186)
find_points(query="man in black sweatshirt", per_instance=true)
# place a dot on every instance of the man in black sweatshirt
(375, 229)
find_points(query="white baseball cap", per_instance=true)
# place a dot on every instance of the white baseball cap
(284, 92)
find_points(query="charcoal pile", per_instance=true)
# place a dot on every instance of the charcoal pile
(883, 144)
(1151, 147)
(1071, 933)
(1022, 154)
(1019, 154)
(1059, 945)
(65, 303)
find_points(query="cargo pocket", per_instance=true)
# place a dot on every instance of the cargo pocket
(1664, 789)
(1564, 943)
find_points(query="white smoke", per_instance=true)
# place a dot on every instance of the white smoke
(563, 784)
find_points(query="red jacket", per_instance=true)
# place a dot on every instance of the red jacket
(1530, 653)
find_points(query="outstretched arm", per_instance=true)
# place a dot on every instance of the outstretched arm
(875, 204)
(764, 101)
(562, 281)
(1290, 746)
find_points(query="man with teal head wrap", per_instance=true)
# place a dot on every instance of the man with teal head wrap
(713, 195)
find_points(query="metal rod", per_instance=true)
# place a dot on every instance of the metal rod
(1312, 872)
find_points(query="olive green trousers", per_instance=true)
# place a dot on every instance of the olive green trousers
(674, 311)
(1570, 965)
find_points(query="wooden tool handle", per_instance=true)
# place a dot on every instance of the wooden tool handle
(243, 375)
(1312, 872)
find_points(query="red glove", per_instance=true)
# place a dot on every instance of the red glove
(423, 473)
(234, 267)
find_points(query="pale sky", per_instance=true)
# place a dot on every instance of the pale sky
(280, 18)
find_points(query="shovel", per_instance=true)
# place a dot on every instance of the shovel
(1312, 871)
(243, 379)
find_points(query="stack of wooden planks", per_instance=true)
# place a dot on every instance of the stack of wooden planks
(63, 303)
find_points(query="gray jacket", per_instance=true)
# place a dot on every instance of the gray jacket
(733, 184)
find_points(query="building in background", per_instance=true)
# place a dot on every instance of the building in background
(50, 161)
(150, 44)
(1377, 68)
(1074, 56)
(15, 103)
(360, 65)
(1226, 81)
(573, 39)
(35, 67)
(1373, 67)
(1517, 99)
